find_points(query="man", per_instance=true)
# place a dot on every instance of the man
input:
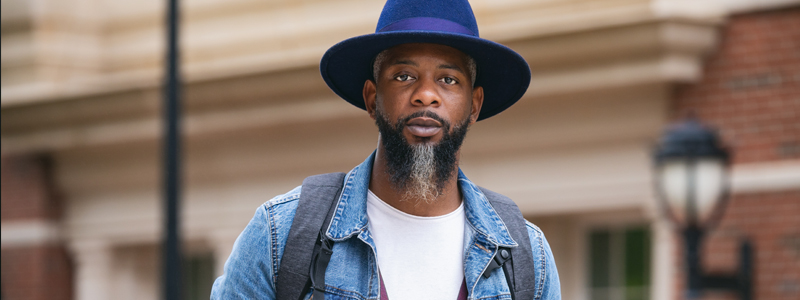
(407, 223)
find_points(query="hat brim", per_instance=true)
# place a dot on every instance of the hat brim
(503, 74)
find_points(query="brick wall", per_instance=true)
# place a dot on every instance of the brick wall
(750, 91)
(751, 87)
(36, 273)
(772, 222)
(26, 192)
(33, 270)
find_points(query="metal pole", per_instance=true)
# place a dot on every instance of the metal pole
(692, 234)
(746, 270)
(171, 256)
(694, 284)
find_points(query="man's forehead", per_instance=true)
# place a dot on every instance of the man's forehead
(410, 53)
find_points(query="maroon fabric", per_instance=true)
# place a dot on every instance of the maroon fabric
(384, 296)
(462, 293)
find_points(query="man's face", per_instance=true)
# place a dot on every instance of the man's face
(415, 78)
(423, 103)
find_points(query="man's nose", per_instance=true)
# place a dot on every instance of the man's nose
(426, 94)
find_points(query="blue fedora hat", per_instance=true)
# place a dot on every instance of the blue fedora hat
(503, 74)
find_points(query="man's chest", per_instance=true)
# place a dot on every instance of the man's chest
(353, 272)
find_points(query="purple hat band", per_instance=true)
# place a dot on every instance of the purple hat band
(427, 24)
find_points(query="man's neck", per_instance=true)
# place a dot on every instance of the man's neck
(380, 184)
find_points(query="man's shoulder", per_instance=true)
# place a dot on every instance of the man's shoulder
(534, 231)
(495, 197)
(288, 202)
(283, 203)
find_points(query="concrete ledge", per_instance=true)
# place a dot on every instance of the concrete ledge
(29, 233)
(766, 177)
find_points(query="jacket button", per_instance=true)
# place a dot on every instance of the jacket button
(504, 253)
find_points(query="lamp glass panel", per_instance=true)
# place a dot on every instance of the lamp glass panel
(710, 182)
(673, 180)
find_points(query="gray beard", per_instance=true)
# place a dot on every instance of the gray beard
(421, 184)
(420, 171)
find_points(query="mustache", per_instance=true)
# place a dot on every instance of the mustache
(422, 170)
(401, 122)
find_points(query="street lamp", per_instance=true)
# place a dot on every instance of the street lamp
(691, 173)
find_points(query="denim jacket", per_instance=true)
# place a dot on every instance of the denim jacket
(252, 268)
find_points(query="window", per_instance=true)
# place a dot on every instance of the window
(198, 276)
(619, 264)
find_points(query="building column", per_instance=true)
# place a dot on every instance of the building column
(33, 252)
(94, 270)
(663, 268)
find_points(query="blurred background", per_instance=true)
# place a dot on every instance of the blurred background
(81, 127)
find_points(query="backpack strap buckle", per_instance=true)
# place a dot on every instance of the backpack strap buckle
(500, 258)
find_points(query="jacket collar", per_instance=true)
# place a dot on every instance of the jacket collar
(350, 218)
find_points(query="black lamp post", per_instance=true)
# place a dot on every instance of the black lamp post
(692, 185)
(171, 248)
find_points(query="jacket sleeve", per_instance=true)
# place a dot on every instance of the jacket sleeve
(249, 271)
(548, 286)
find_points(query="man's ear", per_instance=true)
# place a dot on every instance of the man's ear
(369, 94)
(477, 102)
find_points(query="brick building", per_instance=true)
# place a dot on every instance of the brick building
(80, 165)
(750, 91)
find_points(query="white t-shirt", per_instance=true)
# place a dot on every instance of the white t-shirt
(418, 257)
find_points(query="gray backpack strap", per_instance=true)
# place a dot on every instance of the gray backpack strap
(522, 278)
(316, 206)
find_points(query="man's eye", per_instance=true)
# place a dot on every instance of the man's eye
(449, 80)
(403, 77)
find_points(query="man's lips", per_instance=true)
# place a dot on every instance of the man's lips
(423, 126)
